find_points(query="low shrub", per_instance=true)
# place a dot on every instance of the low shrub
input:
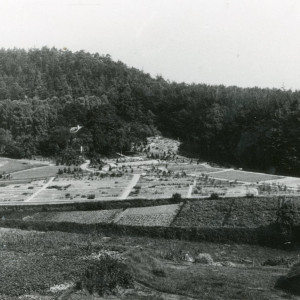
(249, 195)
(91, 196)
(159, 272)
(104, 276)
(59, 187)
(281, 261)
(290, 282)
(214, 196)
(176, 197)
(277, 261)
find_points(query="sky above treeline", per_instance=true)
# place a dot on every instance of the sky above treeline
(232, 42)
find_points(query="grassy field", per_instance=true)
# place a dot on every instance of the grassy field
(8, 165)
(34, 263)
(245, 176)
(191, 168)
(47, 171)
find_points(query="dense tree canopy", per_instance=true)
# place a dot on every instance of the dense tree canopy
(44, 92)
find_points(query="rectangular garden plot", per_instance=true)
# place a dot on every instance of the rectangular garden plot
(155, 187)
(162, 215)
(82, 217)
(205, 186)
(63, 189)
(18, 191)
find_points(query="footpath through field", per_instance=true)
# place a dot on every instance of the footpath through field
(189, 194)
(133, 182)
(40, 190)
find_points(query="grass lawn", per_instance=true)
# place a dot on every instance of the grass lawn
(8, 165)
(47, 171)
(245, 176)
(33, 262)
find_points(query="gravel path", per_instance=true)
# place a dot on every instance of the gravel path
(40, 190)
(133, 182)
(189, 194)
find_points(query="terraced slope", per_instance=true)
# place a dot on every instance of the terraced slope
(237, 212)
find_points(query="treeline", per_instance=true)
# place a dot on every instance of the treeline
(44, 92)
(252, 128)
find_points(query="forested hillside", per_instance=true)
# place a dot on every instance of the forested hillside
(44, 92)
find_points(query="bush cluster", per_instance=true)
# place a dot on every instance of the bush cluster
(104, 276)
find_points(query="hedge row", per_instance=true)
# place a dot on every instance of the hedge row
(265, 236)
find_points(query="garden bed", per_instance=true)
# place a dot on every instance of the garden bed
(149, 216)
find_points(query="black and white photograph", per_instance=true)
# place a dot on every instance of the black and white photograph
(149, 149)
